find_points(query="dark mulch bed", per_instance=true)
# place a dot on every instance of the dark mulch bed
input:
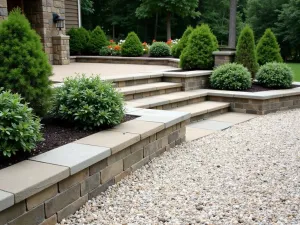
(56, 133)
(258, 88)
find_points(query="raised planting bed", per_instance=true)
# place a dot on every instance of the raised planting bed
(127, 60)
(56, 133)
(49, 187)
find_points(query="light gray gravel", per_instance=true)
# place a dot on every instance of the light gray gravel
(248, 174)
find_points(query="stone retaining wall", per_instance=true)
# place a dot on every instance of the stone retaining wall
(48, 204)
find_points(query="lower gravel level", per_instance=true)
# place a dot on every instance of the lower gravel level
(248, 174)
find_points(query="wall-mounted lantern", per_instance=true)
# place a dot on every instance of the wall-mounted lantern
(59, 21)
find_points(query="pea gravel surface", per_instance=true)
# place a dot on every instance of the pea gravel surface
(247, 174)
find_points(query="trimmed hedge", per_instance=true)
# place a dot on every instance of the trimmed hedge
(160, 49)
(89, 103)
(132, 46)
(177, 49)
(198, 53)
(268, 49)
(97, 40)
(275, 75)
(79, 39)
(245, 53)
(231, 76)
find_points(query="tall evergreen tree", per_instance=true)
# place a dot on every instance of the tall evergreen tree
(268, 49)
(24, 66)
(245, 52)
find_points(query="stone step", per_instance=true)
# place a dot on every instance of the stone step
(204, 110)
(169, 101)
(146, 90)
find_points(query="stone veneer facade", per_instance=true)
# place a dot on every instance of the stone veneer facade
(40, 15)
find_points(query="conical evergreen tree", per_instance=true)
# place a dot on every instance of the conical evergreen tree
(268, 49)
(24, 67)
(198, 52)
(245, 53)
(97, 41)
(176, 51)
(132, 46)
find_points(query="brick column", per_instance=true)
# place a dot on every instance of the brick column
(3, 9)
(61, 50)
(222, 57)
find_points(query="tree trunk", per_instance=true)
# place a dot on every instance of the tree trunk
(156, 25)
(232, 24)
(169, 26)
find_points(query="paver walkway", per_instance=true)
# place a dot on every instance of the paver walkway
(248, 174)
(103, 69)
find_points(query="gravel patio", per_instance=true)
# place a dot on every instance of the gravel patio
(247, 174)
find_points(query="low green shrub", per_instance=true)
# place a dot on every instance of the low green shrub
(268, 49)
(176, 52)
(231, 76)
(110, 51)
(97, 40)
(79, 40)
(275, 75)
(132, 47)
(105, 51)
(198, 53)
(20, 129)
(160, 49)
(89, 103)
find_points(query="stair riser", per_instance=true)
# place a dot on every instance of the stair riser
(209, 114)
(137, 82)
(180, 103)
(129, 97)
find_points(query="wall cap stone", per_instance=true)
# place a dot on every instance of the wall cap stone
(224, 53)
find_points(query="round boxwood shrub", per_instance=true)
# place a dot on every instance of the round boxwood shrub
(231, 76)
(105, 51)
(245, 52)
(89, 103)
(160, 49)
(24, 66)
(268, 49)
(198, 53)
(20, 129)
(132, 46)
(275, 75)
(79, 39)
(97, 40)
(177, 49)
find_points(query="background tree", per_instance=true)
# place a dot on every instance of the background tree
(183, 8)
(232, 24)
(87, 7)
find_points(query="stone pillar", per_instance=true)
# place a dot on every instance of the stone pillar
(61, 49)
(3, 9)
(222, 57)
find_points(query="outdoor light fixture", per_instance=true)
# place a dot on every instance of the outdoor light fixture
(59, 21)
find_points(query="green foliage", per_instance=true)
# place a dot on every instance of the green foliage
(19, 127)
(268, 49)
(275, 75)
(88, 102)
(97, 41)
(109, 51)
(87, 7)
(231, 76)
(132, 46)
(24, 67)
(79, 39)
(198, 52)
(160, 49)
(245, 53)
(182, 43)
(174, 51)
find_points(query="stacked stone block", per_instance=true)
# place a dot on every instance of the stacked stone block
(3, 9)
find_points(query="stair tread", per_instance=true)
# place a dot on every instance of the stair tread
(148, 87)
(159, 100)
(202, 107)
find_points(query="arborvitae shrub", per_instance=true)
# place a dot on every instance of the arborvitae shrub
(160, 49)
(245, 52)
(88, 103)
(20, 128)
(268, 49)
(97, 41)
(132, 46)
(231, 76)
(198, 53)
(79, 39)
(176, 52)
(24, 67)
(275, 75)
